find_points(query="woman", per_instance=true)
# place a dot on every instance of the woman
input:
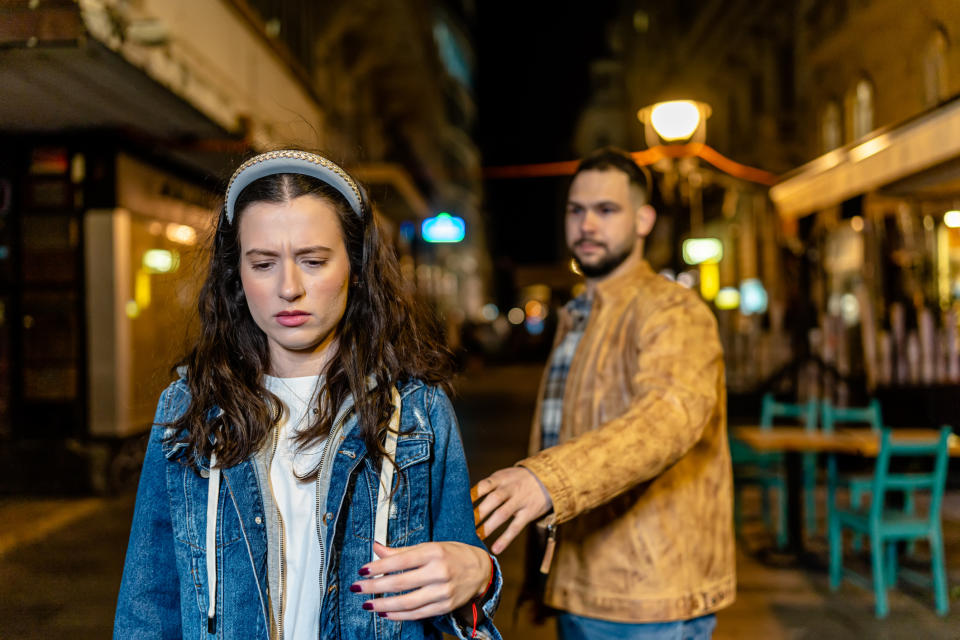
(304, 476)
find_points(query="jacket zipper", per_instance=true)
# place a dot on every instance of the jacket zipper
(331, 443)
(549, 549)
(283, 555)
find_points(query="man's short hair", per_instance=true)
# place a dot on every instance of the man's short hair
(612, 158)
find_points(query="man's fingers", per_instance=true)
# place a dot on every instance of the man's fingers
(506, 511)
(488, 504)
(482, 488)
(520, 520)
(479, 490)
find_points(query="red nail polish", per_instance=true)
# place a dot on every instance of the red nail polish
(356, 588)
(368, 606)
(382, 614)
(364, 571)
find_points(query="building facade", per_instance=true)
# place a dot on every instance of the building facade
(873, 204)
(119, 123)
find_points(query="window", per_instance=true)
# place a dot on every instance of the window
(861, 109)
(935, 68)
(830, 137)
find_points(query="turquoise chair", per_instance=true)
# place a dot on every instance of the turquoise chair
(765, 470)
(858, 485)
(886, 528)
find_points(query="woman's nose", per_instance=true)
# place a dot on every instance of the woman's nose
(291, 285)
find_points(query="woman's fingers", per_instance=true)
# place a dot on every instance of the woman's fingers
(420, 613)
(397, 559)
(428, 579)
(434, 594)
(396, 582)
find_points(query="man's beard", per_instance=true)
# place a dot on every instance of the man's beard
(610, 262)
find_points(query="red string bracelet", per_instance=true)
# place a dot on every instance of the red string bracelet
(473, 605)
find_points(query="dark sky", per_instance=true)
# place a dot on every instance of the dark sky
(532, 82)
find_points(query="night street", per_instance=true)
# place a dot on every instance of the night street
(731, 227)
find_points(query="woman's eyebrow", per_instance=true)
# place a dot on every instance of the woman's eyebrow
(267, 253)
(261, 252)
(317, 248)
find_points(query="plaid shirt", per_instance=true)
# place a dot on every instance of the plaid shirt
(560, 359)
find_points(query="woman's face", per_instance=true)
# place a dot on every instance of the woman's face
(295, 274)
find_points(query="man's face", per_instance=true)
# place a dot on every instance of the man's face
(604, 221)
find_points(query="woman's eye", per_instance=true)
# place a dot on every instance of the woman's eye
(315, 263)
(261, 266)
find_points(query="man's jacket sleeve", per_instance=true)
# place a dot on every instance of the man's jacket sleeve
(675, 386)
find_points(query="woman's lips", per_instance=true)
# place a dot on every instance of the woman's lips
(292, 319)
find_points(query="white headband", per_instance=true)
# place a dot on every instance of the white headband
(292, 161)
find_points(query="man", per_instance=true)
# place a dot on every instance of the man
(629, 444)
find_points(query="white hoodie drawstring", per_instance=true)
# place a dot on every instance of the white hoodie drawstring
(213, 497)
(380, 523)
(386, 475)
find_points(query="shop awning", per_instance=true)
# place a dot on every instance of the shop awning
(86, 86)
(888, 155)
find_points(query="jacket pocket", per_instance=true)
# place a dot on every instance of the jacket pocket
(408, 506)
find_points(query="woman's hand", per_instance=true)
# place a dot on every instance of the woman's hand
(432, 578)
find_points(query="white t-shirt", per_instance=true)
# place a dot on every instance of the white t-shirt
(297, 502)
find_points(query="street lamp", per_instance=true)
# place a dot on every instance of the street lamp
(675, 121)
(681, 126)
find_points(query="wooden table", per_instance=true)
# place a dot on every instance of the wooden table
(795, 441)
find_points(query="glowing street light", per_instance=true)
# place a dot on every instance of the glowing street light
(952, 219)
(675, 120)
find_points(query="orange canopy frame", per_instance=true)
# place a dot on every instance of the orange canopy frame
(643, 158)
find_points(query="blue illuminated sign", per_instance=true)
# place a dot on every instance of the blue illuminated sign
(753, 297)
(443, 228)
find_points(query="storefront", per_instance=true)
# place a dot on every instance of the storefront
(99, 264)
(879, 225)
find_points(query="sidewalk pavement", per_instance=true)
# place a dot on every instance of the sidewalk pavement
(27, 519)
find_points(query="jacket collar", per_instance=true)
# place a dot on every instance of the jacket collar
(637, 276)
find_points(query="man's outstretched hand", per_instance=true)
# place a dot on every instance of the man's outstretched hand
(513, 494)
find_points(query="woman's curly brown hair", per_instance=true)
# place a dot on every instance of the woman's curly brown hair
(384, 334)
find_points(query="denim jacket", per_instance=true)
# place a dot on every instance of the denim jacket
(164, 592)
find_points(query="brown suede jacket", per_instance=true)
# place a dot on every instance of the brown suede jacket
(641, 481)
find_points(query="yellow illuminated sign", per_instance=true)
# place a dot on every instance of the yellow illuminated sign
(709, 280)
